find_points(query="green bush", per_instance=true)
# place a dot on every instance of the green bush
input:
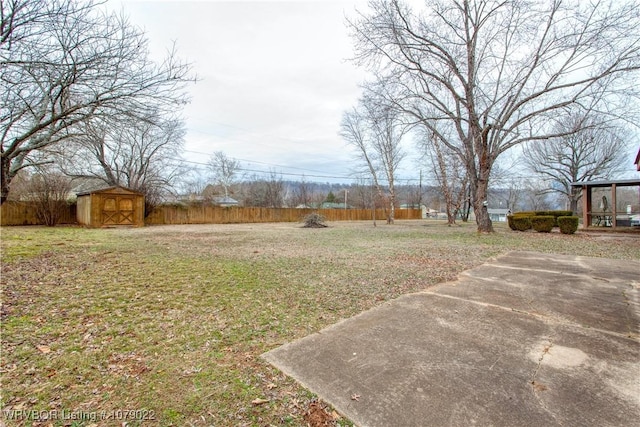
(543, 223)
(568, 224)
(521, 222)
(511, 223)
(555, 215)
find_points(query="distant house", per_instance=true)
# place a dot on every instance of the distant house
(498, 215)
(332, 205)
(225, 201)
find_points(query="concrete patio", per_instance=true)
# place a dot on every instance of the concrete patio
(529, 339)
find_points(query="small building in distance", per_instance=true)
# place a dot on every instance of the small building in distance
(225, 201)
(110, 207)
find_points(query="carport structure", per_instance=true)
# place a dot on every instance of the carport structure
(610, 203)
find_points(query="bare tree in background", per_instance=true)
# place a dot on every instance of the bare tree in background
(49, 190)
(535, 196)
(361, 193)
(376, 131)
(500, 72)
(193, 183)
(303, 194)
(591, 149)
(224, 170)
(266, 193)
(63, 62)
(450, 174)
(139, 153)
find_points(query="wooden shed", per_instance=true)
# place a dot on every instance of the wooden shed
(108, 207)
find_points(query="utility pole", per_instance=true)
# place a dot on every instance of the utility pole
(420, 192)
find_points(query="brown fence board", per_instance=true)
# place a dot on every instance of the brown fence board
(24, 213)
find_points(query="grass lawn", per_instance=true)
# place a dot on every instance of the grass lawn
(170, 321)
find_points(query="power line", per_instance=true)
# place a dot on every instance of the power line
(261, 163)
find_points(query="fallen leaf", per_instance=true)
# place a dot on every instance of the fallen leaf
(259, 401)
(271, 386)
(44, 349)
(355, 396)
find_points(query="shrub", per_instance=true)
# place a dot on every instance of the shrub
(543, 223)
(568, 224)
(49, 191)
(555, 215)
(524, 213)
(521, 222)
(314, 220)
(511, 223)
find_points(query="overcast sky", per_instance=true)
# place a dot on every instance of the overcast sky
(274, 79)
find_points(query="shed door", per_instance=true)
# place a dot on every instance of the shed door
(118, 210)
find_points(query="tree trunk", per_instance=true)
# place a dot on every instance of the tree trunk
(480, 206)
(451, 216)
(574, 198)
(392, 208)
(5, 179)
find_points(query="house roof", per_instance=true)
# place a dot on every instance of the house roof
(109, 189)
(225, 200)
(499, 211)
(332, 205)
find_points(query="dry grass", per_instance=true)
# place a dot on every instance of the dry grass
(171, 320)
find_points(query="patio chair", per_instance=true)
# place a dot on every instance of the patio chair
(603, 218)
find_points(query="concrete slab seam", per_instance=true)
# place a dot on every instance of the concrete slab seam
(467, 273)
(546, 319)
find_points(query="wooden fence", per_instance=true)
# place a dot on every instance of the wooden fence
(236, 215)
(24, 213)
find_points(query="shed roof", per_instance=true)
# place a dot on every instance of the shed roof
(110, 189)
(619, 183)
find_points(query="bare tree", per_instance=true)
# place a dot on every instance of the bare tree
(303, 194)
(224, 169)
(591, 149)
(139, 153)
(499, 72)
(63, 62)
(360, 193)
(275, 191)
(193, 183)
(450, 174)
(375, 130)
(535, 196)
(267, 193)
(49, 190)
